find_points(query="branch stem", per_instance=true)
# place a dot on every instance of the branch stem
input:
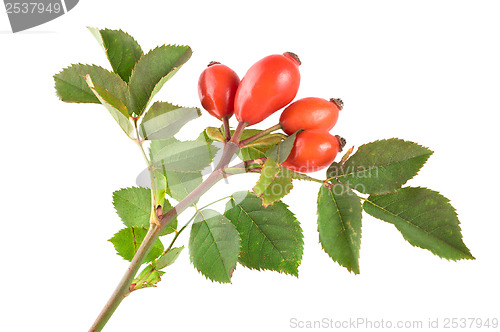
(123, 286)
(227, 129)
(154, 231)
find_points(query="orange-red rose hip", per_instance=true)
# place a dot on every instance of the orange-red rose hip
(269, 85)
(310, 113)
(216, 88)
(313, 150)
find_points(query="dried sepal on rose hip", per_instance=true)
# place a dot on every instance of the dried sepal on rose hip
(269, 85)
(310, 113)
(216, 88)
(313, 150)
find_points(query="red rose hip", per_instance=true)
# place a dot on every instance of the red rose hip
(216, 88)
(310, 113)
(269, 85)
(313, 150)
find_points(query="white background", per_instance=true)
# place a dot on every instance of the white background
(425, 71)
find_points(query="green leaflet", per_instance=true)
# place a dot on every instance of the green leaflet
(273, 183)
(122, 50)
(168, 258)
(258, 148)
(185, 157)
(182, 163)
(268, 140)
(171, 226)
(163, 120)
(152, 71)
(128, 240)
(251, 152)
(381, 166)
(425, 218)
(149, 277)
(151, 274)
(133, 206)
(115, 106)
(280, 152)
(214, 134)
(214, 245)
(182, 184)
(271, 237)
(71, 86)
(339, 225)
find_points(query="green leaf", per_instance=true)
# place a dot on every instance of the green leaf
(152, 71)
(157, 145)
(133, 205)
(271, 236)
(163, 120)
(182, 180)
(172, 225)
(280, 152)
(160, 186)
(128, 240)
(71, 86)
(184, 157)
(181, 184)
(339, 225)
(122, 50)
(214, 134)
(116, 108)
(214, 245)
(168, 258)
(148, 277)
(381, 166)
(425, 218)
(268, 140)
(273, 184)
(251, 152)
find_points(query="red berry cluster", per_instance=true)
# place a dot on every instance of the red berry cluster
(269, 85)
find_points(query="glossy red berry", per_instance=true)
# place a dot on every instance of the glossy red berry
(310, 113)
(216, 88)
(313, 150)
(269, 85)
